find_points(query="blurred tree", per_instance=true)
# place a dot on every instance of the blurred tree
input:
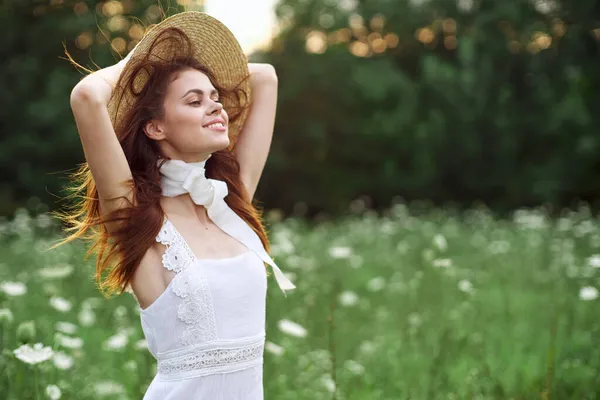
(432, 99)
(38, 136)
(451, 101)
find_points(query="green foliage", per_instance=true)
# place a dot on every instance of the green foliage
(406, 305)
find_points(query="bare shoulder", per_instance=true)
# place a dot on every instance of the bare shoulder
(150, 278)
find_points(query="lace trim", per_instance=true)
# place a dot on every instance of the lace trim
(178, 254)
(213, 360)
(196, 309)
(191, 286)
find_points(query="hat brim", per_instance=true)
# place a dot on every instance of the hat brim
(214, 46)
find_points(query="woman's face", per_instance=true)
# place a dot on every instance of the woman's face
(195, 123)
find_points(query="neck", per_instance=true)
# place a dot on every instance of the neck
(183, 205)
(188, 158)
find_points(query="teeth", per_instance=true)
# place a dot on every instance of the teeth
(215, 125)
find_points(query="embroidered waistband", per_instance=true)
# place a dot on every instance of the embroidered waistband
(211, 358)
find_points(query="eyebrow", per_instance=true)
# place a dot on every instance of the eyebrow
(200, 92)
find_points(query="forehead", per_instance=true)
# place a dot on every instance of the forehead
(189, 79)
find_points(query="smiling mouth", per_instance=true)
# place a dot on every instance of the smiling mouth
(217, 126)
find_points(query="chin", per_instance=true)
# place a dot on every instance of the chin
(223, 144)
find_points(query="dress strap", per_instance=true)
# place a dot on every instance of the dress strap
(178, 255)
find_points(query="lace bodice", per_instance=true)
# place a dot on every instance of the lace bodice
(211, 317)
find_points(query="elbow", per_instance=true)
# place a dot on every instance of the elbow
(263, 74)
(84, 95)
(270, 74)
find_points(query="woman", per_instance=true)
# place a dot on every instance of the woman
(169, 201)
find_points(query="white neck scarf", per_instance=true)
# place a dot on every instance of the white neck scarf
(179, 177)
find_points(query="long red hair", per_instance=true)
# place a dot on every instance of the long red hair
(120, 250)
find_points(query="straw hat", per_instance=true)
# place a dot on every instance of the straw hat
(214, 46)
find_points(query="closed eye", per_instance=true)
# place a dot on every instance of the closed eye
(199, 102)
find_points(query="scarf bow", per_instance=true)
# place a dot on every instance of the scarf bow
(179, 177)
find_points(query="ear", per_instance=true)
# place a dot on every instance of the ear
(154, 130)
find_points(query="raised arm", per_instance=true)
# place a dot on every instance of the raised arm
(252, 147)
(103, 152)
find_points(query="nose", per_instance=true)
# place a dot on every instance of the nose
(216, 107)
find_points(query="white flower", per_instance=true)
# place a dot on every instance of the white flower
(328, 382)
(86, 316)
(116, 342)
(348, 298)
(60, 304)
(56, 271)
(62, 360)
(107, 388)
(91, 302)
(339, 252)
(53, 392)
(120, 312)
(6, 316)
(594, 261)
(388, 227)
(402, 247)
(141, 344)
(545, 6)
(367, 347)
(274, 348)
(564, 224)
(442, 262)
(13, 288)
(464, 5)
(282, 245)
(588, 293)
(530, 219)
(440, 242)
(465, 286)
(428, 254)
(499, 247)
(33, 355)
(130, 365)
(292, 328)
(43, 220)
(376, 284)
(348, 5)
(354, 367)
(65, 327)
(414, 319)
(69, 342)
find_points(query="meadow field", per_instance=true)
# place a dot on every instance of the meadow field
(404, 304)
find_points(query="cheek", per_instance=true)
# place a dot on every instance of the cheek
(184, 116)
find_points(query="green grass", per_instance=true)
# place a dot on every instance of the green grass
(497, 313)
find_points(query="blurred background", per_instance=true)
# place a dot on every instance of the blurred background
(451, 102)
(432, 190)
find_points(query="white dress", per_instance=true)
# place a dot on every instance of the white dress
(207, 329)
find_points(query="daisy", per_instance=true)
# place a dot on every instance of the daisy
(292, 328)
(33, 355)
